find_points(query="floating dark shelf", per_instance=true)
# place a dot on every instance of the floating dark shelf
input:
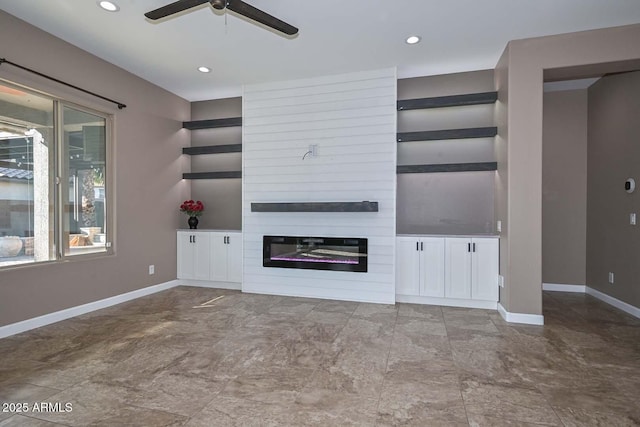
(433, 135)
(316, 207)
(450, 167)
(213, 149)
(212, 175)
(448, 101)
(213, 123)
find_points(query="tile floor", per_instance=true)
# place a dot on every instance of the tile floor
(257, 360)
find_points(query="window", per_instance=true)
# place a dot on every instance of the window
(53, 178)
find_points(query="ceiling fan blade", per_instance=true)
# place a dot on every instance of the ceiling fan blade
(255, 14)
(174, 7)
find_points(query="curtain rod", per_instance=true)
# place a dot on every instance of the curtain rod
(119, 104)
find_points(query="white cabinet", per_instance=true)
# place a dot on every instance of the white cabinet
(420, 266)
(458, 268)
(226, 257)
(193, 255)
(485, 269)
(213, 256)
(457, 271)
(472, 268)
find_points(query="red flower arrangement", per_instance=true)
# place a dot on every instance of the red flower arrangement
(192, 208)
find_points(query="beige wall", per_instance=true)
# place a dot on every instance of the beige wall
(564, 187)
(148, 173)
(613, 244)
(501, 208)
(526, 60)
(222, 198)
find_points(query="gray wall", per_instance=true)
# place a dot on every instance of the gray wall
(613, 245)
(564, 187)
(222, 198)
(446, 203)
(148, 181)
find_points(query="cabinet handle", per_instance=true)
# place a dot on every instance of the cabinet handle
(417, 246)
(194, 238)
(422, 246)
(474, 247)
(468, 247)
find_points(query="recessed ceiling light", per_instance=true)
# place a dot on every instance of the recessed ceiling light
(108, 6)
(204, 69)
(413, 39)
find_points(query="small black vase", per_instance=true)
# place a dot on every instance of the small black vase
(193, 222)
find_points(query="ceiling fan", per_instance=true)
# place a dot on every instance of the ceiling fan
(237, 6)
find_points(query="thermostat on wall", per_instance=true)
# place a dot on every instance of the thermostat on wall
(630, 185)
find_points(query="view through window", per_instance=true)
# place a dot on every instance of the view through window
(52, 179)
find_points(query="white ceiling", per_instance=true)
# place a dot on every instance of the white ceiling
(335, 36)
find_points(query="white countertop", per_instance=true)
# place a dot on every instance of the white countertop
(469, 236)
(190, 230)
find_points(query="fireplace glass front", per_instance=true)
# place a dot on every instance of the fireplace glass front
(317, 253)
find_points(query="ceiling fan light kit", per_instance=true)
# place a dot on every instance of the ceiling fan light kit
(413, 39)
(109, 6)
(237, 6)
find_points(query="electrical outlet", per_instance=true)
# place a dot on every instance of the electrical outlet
(632, 218)
(501, 281)
(611, 277)
(313, 149)
(499, 226)
(152, 269)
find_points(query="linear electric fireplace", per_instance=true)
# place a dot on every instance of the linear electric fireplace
(317, 253)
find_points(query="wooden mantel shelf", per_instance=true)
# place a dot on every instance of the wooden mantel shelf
(365, 206)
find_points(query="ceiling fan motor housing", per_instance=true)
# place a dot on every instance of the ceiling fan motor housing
(218, 4)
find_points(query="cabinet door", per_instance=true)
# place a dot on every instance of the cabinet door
(234, 257)
(218, 257)
(201, 256)
(407, 266)
(432, 266)
(484, 269)
(193, 255)
(457, 268)
(186, 252)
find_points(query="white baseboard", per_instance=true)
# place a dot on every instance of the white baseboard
(627, 308)
(286, 292)
(209, 284)
(529, 319)
(563, 287)
(47, 319)
(448, 302)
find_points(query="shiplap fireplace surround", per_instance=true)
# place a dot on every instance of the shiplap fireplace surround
(351, 121)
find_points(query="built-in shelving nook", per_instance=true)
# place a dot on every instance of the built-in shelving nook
(446, 156)
(215, 159)
(213, 149)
